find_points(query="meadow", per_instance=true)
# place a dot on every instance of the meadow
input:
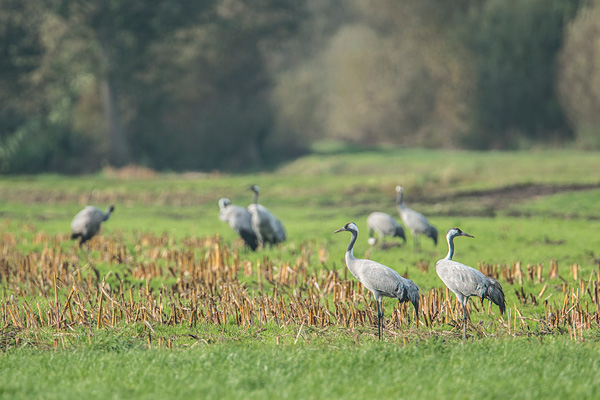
(167, 302)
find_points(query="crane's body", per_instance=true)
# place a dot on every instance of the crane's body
(240, 220)
(416, 222)
(384, 225)
(266, 226)
(86, 223)
(465, 281)
(379, 279)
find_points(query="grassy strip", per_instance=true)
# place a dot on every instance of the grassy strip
(518, 368)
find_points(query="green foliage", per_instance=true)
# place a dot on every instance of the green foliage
(579, 76)
(238, 86)
(514, 46)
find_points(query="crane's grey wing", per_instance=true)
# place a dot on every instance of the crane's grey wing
(237, 217)
(240, 220)
(87, 221)
(262, 223)
(460, 278)
(383, 279)
(414, 220)
(80, 222)
(266, 224)
(280, 234)
(382, 223)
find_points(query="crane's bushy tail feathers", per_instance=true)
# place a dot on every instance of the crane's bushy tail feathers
(409, 292)
(75, 235)
(433, 234)
(400, 233)
(493, 291)
(250, 239)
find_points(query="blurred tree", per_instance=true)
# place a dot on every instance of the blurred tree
(579, 75)
(214, 82)
(118, 34)
(21, 51)
(513, 46)
(388, 73)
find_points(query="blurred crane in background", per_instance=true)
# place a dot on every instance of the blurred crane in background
(266, 226)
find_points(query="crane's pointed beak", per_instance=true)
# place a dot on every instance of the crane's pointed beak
(340, 230)
(467, 235)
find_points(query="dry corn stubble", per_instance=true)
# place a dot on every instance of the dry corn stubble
(216, 285)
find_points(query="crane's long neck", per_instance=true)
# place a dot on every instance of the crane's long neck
(349, 250)
(256, 197)
(351, 261)
(399, 203)
(106, 215)
(450, 247)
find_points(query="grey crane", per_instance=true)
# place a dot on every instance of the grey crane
(416, 222)
(86, 223)
(240, 220)
(266, 226)
(465, 281)
(379, 279)
(384, 225)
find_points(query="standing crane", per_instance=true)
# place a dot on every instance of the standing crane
(415, 221)
(466, 281)
(86, 223)
(379, 279)
(266, 226)
(385, 225)
(240, 220)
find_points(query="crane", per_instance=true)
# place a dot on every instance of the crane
(379, 279)
(466, 281)
(266, 226)
(416, 222)
(86, 223)
(385, 225)
(240, 220)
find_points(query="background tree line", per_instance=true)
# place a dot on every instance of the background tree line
(231, 84)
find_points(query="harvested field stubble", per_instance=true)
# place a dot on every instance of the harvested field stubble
(157, 282)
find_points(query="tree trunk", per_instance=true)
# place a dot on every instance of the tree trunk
(118, 151)
(117, 146)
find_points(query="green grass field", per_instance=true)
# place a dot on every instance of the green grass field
(156, 333)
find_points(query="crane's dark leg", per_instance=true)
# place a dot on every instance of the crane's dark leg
(379, 317)
(464, 306)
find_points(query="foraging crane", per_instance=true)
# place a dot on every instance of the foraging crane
(415, 221)
(266, 226)
(379, 279)
(240, 220)
(465, 281)
(385, 225)
(86, 223)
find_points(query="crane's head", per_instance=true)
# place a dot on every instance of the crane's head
(224, 202)
(399, 189)
(457, 232)
(111, 208)
(350, 227)
(254, 188)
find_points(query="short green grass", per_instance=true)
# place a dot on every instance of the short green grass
(314, 196)
(492, 369)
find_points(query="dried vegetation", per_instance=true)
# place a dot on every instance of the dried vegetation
(157, 282)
